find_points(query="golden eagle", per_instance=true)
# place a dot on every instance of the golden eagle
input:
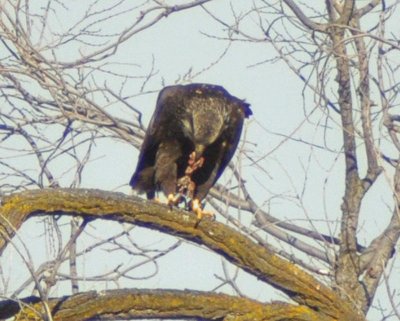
(191, 138)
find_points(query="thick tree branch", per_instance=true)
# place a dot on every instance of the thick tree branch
(364, 93)
(382, 248)
(378, 254)
(238, 249)
(368, 7)
(374, 260)
(347, 271)
(136, 304)
(347, 12)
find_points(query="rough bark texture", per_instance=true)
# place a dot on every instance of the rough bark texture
(347, 271)
(125, 304)
(255, 259)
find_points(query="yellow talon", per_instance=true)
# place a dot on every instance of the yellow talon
(196, 208)
(173, 200)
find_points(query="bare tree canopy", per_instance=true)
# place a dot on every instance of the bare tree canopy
(308, 219)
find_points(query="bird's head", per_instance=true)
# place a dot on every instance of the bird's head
(208, 123)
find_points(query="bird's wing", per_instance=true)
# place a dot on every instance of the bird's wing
(232, 134)
(142, 178)
(217, 157)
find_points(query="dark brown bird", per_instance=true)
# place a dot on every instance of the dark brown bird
(191, 138)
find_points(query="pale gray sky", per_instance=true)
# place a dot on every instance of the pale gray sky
(291, 167)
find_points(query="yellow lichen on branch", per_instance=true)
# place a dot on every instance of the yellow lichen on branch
(135, 304)
(239, 249)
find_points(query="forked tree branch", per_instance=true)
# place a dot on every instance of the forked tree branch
(237, 248)
(347, 12)
(382, 248)
(365, 101)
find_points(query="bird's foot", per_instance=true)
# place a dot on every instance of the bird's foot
(157, 200)
(174, 199)
(197, 208)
